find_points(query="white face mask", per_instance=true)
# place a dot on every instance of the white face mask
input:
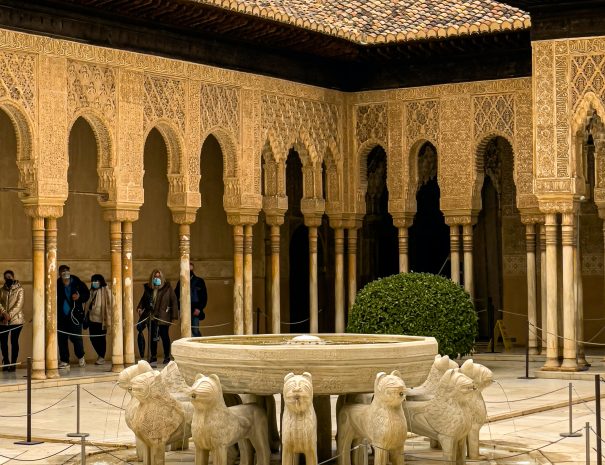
(66, 275)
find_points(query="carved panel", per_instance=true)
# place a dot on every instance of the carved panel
(544, 108)
(514, 265)
(91, 86)
(288, 117)
(164, 99)
(494, 113)
(587, 75)
(17, 75)
(371, 123)
(220, 107)
(422, 121)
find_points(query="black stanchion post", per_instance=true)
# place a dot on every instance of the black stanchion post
(570, 433)
(28, 441)
(527, 358)
(587, 432)
(77, 434)
(597, 392)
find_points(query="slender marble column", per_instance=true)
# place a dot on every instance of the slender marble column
(543, 298)
(570, 362)
(579, 303)
(268, 280)
(467, 245)
(352, 259)
(313, 294)
(238, 279)
(248, 307)
(404, 265)
(38, 368)
(455, 252)
(185, 275)
(339, 279)
(117, 336)
(275, 281)
(52, 364)
(530, 242)
(127, 298)
(552, 343)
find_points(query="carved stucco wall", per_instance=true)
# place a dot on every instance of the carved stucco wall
(458, 119)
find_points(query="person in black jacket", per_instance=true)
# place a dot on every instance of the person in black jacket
(72, 294)
(199, 299)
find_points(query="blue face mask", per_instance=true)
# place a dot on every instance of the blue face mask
(157, 281)
(96, 285)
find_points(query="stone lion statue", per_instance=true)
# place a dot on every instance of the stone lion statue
(427, 389)
(216, 427)
(446, 417)
(159, 419)
(299, 422)
(382, 422)
(482, 377)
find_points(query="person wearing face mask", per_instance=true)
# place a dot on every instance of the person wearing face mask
(72, 294)
(199, 299)
(98, 315)
(11, 318)
(157, 309)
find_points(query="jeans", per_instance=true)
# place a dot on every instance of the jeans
(98, 338)
(12, 332)
(157, 332)
(195, 326)
(65, 324)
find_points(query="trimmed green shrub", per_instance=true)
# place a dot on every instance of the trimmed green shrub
(417, 304)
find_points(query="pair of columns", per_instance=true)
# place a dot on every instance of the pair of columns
(467, 253)
(242, 278)
(571, 292)
(44, 258)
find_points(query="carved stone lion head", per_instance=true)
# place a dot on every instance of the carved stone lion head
(127, 374)
(147, 386)
(298, 392)
(389, 389)
(206, 390)
(481, 375)
(456, 384)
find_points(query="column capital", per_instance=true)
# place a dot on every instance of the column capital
(455, 218)
(44, 211)
(557, 204)
(242, 217)
(532, 217)
(184, 215)
(275, 206)
(403, 219)
(313, 206)
(120, 214)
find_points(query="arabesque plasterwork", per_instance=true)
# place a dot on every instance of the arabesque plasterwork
(124, 94)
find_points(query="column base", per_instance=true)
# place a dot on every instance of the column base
(38, 374)
(569, 364)
(52, 373)
(551, 364)
(533, 351)
(117, 368)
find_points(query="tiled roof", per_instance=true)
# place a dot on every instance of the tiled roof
(380, 21)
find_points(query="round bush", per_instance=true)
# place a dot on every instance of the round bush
(417, 304)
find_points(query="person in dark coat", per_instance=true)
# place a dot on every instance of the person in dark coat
(72, 294)
(199, 299)
(157, 309)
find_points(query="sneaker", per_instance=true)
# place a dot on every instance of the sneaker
(153, 362)
(100, 361)
(63, 365)
(82, 362)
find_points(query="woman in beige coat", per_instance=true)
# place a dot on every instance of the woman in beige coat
(11, 319)
(98, 315)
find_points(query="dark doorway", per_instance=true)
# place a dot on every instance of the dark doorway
(429, 237)
(378, 255)
(487, 235)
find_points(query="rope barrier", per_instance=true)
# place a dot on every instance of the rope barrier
(12, 329)
(105, 451)
(102, 400)
(10, 365)
(36, 460)
(521, 400)
(42, 410)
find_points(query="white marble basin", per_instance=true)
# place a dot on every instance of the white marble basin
(339, 363)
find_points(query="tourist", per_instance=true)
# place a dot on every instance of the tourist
(157, 309)
(72, 294)
(98, 315)
(199, 299)
(11, 319)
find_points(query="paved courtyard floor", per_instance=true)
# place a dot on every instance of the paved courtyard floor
(526, 419)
